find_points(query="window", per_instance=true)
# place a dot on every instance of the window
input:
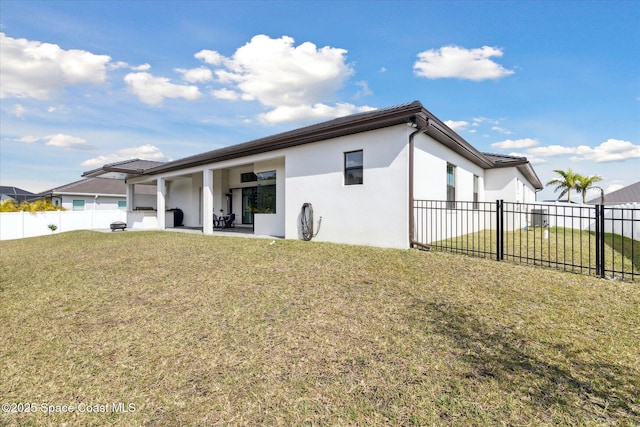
(476, 180)
(78, 205)
(451, 186)
(248, 177)
(122, 204)
(266, 192)
(353, 167)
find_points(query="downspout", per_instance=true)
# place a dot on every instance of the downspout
(535, 194)
(412, 242)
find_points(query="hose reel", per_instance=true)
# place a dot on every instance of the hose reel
(306, 222)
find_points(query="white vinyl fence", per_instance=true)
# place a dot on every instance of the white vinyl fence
(623, 220)
(17, 225)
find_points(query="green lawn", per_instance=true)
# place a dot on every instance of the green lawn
(563, 248)
(200, 330)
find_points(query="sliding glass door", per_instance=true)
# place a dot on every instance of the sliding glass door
(249, 204)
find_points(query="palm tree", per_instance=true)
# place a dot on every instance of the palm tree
(584, 183)
(566, 183)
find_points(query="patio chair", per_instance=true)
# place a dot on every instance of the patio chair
(217, 221)
(228, 221)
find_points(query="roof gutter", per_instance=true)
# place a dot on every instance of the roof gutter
(422, 126)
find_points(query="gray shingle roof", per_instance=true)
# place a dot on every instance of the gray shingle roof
(97, 186)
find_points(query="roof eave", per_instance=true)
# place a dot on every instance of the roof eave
(527, 170)
(443, 134)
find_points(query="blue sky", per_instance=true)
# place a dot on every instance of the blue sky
(85, 83)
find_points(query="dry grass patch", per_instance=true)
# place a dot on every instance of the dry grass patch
(197, 330)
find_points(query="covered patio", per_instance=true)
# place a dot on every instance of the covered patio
(230, 197)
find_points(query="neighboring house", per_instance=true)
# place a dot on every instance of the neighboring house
(96, 194)
(14, 193)
(360, 173)
(628, 194)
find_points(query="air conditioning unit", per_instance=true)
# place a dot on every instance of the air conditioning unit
(539, 218)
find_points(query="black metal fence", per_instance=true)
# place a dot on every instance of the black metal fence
(597, 240)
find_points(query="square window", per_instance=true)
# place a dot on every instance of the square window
(248, 177)
(78, 205)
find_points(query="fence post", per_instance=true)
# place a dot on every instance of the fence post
(499, 230)
(600, 240)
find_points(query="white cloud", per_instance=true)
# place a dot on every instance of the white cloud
(457, 125)
(552, 150)
(477, 121)
(18, 111)
(196, 75)
(611, 150)
(501, 130)
(364, 89)
(288, 79)
(29, 139)
(143, 67)
(61, 140)
(510, 144)
(121, 64)
(152, 90)
(31, 69)
(227, 94)
(615, 186)
(310, 112)
(210, 57)
(144, 152)
(458, 62)
(534, 160)
(118, 65)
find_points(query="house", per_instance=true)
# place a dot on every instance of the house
(628, 194)
(14, 193)
(359, 173)
(96, 194)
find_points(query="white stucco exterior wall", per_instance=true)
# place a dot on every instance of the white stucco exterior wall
(91, 202)
(374, 213)
(508, 184)
(180, 195)
(430, 172)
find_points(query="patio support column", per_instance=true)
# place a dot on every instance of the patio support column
(161, 205)
(207, 201)
(130, 200)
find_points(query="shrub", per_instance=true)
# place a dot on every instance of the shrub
(8, 205)
(37, 206)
